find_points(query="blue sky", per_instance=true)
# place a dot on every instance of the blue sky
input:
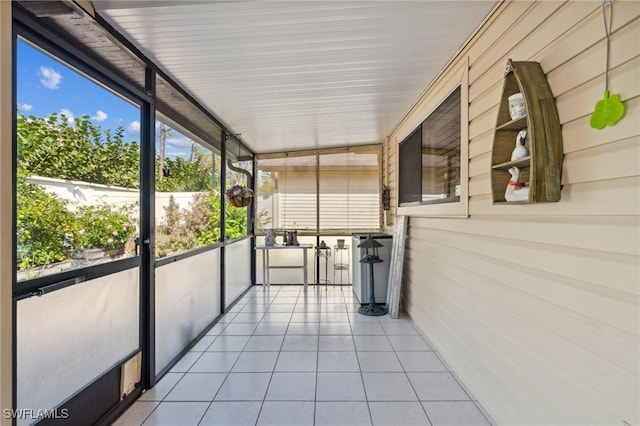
(45, 85)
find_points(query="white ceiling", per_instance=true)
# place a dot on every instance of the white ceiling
(292, 75)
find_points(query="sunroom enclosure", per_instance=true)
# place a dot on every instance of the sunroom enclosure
(534, 306)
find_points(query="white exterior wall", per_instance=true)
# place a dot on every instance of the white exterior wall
(536, 306)
(90, 194)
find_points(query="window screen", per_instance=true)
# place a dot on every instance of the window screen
(441, 151)
(350, 190)
(286, 189)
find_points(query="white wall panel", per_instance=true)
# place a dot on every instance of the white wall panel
(237, 269)
(187, 300)
(68, 338)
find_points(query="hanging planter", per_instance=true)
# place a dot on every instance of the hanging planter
(239, 196)
(239, 202)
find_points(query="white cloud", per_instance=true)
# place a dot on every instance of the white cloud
(25, 107)
(100, 116)
(178, 142)
(134, 128)
(68, 114)
(50, 78)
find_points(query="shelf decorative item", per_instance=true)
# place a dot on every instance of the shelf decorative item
(239, 195)
(516, 190)
(517, 108)
(520, 151)
(291, 238)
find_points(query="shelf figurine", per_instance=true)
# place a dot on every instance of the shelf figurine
(520, 151)
(516, 191)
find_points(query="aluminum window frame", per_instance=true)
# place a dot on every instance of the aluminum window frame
(458, 208)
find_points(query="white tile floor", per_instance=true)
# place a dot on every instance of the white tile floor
(283, 357)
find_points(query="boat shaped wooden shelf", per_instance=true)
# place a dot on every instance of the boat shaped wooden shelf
(541, 170)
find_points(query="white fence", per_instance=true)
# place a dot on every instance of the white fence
(80, 193)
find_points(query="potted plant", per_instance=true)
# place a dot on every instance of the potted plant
(239, 195)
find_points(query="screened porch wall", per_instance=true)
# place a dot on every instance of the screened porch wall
(187, 301)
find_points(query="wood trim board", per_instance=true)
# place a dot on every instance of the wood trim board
(397, 263)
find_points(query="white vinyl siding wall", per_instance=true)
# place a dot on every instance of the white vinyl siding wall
(536, 306)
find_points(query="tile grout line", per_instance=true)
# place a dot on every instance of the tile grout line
(203, 352)
(264, 398)
(228, 373)
(366, 396)
(424, 410)
(315, 397)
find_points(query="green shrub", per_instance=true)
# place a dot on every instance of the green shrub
(104, 226)
(172, 235)
(45, 227)
(198, 226)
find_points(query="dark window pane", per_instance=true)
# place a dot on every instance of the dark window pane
(410, 185)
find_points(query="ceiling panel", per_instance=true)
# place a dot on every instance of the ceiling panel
(292, 75)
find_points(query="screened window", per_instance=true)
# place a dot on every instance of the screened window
(78, 156)
(236, 219)
(350, 190)
(430, 157)
(187, 192)
(441, 151)
(325, 192)
(287, 193)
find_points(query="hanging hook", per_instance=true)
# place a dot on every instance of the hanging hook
(607, 30)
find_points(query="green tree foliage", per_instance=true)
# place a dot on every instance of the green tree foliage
(236, 221)
(191, 174)
(53, 147)
(204, 217)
